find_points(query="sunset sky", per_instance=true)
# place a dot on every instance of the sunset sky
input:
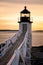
(10, 13)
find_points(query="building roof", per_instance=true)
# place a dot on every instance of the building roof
(25, 10)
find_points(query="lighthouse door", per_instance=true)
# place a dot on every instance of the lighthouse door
(24, 28)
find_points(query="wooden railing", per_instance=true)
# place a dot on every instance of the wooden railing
(20, 51)
(8, 43)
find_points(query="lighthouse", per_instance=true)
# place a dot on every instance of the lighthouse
(24, 26)
(25, 23)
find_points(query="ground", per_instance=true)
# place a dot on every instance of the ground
(37, 55)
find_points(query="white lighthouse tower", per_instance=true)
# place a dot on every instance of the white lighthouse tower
(25, 23)
(24, 26)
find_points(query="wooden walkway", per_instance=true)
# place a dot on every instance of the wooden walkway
(4, 60)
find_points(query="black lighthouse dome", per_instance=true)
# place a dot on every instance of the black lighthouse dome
(25, 10)
(25, 15)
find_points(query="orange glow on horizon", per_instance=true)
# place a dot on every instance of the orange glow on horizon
(9, 15)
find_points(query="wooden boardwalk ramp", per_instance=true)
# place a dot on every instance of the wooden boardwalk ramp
(5, 59)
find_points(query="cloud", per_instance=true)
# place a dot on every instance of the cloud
(24, 1)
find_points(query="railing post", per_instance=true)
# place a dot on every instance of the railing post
(16, 60)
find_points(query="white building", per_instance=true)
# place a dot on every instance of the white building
(24, 26)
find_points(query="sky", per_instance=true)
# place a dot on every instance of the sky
(10, 13)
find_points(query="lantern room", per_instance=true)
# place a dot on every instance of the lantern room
(25, 15)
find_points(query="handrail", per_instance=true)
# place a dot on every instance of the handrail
(9, 63)
(14, 59)
(9, 42)
(23, 41)
(17, 51)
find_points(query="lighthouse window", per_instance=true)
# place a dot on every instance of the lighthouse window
(25, 15)
(24, 28)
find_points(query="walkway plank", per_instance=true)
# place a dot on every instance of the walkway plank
(4, 60)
